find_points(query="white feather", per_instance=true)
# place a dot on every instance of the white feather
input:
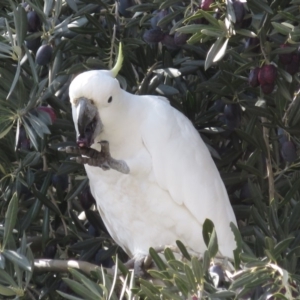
(173, 185)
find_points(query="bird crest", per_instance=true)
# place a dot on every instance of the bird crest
(115, 70)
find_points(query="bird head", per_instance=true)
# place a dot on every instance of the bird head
(94, 96)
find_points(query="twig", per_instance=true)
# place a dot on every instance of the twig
(268, 162)
(57, 265)
(61, 217)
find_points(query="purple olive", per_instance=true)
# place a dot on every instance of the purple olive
(289, 151)
(205, 4)
(50, 251)
(92, 231)
(122, 8)
(253, 77)
(86, 198)
(285, 58)
(157, 17)
(153, 36)
(252, 44)
(267, 74)
(180, 38)
(239, 11)
(169, 42)
(43, 55)
(103, 258)
(33, 44)
(60, 181)
(245, 192)
(232, 113)
(293, 67)
(34, 22)
(218, 105)
(282, 136)
(267, 88)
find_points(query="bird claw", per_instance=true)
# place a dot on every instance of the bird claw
(95, 158)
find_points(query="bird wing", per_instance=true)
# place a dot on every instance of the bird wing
(183, 166)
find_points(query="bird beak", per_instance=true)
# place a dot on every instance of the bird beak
(86, 122)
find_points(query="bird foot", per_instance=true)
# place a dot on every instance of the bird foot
(95, 158)
(139, 264)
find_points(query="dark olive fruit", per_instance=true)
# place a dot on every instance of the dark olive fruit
(232, 113)
(43, 55)
(50, 251)
(153, 36)
(289, 151)
(63, 287)
(267, 88)
(169, 42)
(285, 58)
(157, 17)
(86, 198)
(180, 38)
(245, 192)
(23, 140)
(25, 192)
(217, 275)
(123, 5)
(240, 11)
(247, 21)
(49, 111)
(253, 77)
(103, 258)
(205, 4)
(252, 44)
(267, 74)
(34, 23)
(93, 231)
(60, 181)
(293, 67)
(282, 135)
(33, 44)
(218, 105)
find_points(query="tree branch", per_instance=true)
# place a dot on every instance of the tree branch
(57, 265)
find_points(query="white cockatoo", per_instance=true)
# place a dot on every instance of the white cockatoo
(160, 182)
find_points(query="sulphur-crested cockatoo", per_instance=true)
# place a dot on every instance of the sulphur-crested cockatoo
(154, 180)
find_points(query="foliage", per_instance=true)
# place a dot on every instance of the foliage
(201, 59)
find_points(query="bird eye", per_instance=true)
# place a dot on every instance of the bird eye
(109, 99)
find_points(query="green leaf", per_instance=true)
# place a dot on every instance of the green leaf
(90, 285)
(207, 229)
(197, 269)
(157, 259)
(282, 246)
(21, 24)
(7, 279)
(78, 188)
(216, 52)
(169, 254)
(5, 291)
(10, 219)
(18, 259)
(213, 244)
(79, 289)
(16, 78)
(182, 286)
(281, 28)
(190, 277)
(67, 296)
(47, 202)
(183, 250)
(6, 130)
